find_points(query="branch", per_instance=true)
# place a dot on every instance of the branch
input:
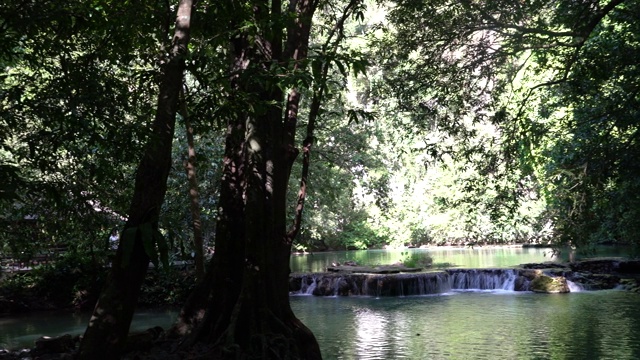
(586, 33)
(584, 36)
(318, 95)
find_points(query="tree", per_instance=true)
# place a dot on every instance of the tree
(242, 306)
(64, 115)
(194, 193)
(249, 315)
(591, 177)
(107, 331)
(510, 67)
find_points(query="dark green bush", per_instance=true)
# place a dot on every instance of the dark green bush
(71, 280)
(168, 287)
(75, 281)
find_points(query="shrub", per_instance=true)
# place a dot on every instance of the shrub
(416, 259)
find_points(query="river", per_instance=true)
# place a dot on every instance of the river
(455, 325)
(461, 257)
(476, 325)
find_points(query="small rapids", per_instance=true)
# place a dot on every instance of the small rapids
(408, 284)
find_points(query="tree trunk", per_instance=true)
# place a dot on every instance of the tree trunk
(194, 194)
(242, 306)
(334, 39)
(107, 331)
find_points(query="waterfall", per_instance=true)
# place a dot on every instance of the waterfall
(574, 287)
(408, 284)
(308, 284)
(483, 279)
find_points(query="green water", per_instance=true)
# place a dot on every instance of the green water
(476, 325)
(21, 331)
(461, 257)
(478, 257)
(458, 325)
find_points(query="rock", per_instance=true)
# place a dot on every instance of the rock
(521, 284)
(143, 340)
(549, 285)
(544, 265)
(54, 345)
(324, 287)
(629, 267)
(10, 306)
(597, 281)
(15, 355)
(597, 266)
(530, 274)
(632, 285)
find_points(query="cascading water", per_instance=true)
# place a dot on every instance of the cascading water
(574, 287)
(307, 285)
(408, 284)
(483, 279)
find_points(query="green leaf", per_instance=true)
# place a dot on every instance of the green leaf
(341, 67)
(360, 66)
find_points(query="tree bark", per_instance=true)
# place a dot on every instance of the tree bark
(107, 331)
(242, 307)
(194, 194)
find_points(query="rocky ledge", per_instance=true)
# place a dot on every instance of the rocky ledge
(550, 277)
(382, 269)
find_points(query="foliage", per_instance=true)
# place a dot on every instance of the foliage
(78, 96)
(169, 287)
(176, 219)
(75, 104)
(527, 104)
(592, 172)
(72, 280)
(500, 122)
(412, 259)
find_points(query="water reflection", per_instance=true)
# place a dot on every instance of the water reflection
(478, 257)
(462, 257)
(372, 339)
(480, 325)
(457, 325)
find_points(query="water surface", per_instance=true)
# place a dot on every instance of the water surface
(476, 325)
(20, 331)
(455, 325)
(477, 257)
(460, 257)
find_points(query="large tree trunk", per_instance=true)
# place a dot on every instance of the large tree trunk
(106, 334)
(242, 306)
